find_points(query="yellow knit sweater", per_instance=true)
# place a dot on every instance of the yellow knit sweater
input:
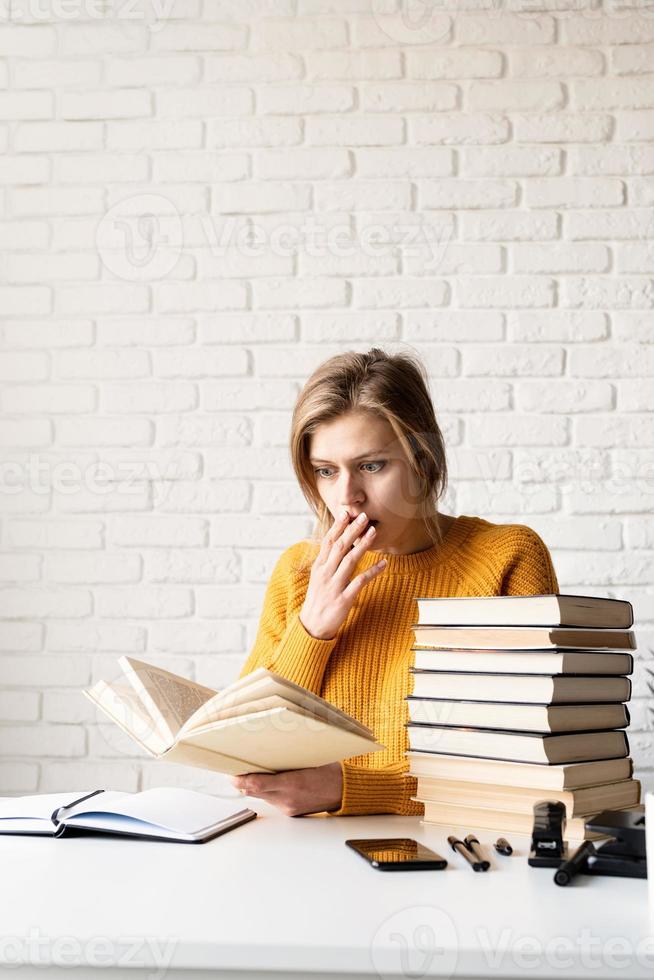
(364, 669)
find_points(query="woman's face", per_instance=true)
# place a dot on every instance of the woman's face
(360, 466)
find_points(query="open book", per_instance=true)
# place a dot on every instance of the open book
(260, 723)
(165, 814)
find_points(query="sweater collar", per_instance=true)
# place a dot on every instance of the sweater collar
(421, 560)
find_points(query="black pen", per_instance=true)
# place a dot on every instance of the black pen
(474, 846)
(567, 871)
(458, 846)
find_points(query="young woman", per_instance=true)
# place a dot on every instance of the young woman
(338, 610)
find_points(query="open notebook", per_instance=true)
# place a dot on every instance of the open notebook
(165, 814)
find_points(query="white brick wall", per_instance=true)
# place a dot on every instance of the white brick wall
(199, 206)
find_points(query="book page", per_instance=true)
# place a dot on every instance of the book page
(121, 703)
(169, 698)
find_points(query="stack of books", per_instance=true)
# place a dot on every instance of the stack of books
(517, 699)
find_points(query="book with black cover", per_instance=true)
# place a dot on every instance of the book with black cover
(181, 816)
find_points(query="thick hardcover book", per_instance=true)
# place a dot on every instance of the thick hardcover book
(518, 688)
(525, 661)
(532, 610)
(522, 638)
(260, 723)
(518, 717)
(182, 816)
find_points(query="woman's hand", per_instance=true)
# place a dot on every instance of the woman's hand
(330, 594)
(297, 791)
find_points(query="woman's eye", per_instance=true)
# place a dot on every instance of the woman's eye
(321, 470)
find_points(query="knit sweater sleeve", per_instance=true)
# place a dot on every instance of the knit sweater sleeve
(387, 790)
(282, 643)
(530, 570)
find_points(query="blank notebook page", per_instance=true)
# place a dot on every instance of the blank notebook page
(180, 812)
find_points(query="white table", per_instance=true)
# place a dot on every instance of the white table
(284, 894)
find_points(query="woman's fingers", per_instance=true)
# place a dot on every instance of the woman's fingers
(342, 545)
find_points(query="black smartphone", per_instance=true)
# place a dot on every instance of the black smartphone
(398, 854)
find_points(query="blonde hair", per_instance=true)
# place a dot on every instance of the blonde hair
(391, 386)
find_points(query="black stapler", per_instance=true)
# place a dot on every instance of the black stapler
(624, 855)
(548, 849)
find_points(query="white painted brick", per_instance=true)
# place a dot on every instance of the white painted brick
(105, 500)
(17, 235)
(517, 430)
(511, 162)
(59, 740)
(199, 37)
(500, 27)
(579, 533)
(199, 296)
(233, 530)
(594, 160)
(635, 396)
(56, 74)
(622, 292)
(497, 292)
(635, 125)
(564, 396)
(122, 776)
(26, 105)
(150, 398)
(87, 569)
(117, 104)
(16, 637)
(300, 98)
(25, 300)
(399, 293)
(41, 671)
(102, 364)
(454, 326)
(291, 293)
(146, 135)
(603, 568)
(24, 366)
(191, 102)
(49, 399)
(96, 636)
(20, 170)
(641, 192)
(519, 96)
(513, 361)
(366, 195)
(158, 532)
(562, 257)
(19, 778)
(508, 226)
(354, 130)
(18, 569)
(98, 431)
(466, 395)
(20, 41)
(636, 327)
(639, 532)
(47, 533)
(257, 197)
(54, 136)
(193, 165)
(266, 131)
(615, 431)
(630, 92)
(113, 167)
(611, 361)
(245, 328)
(385, 29)
(46, 200)
(452, 259)
(353, 65)
(204, 430)
(554, 325)
(146, 602)
(247, 68)
(564, 192)
(417, 161)
(205, 496)
(277, 34)
(635, 258)
(52, 267)
(302, 164)
(456, 193)
(627, 27)
(554, 62)
(47, 603)
(332, 328)
(562, 127)
(460, 128)
(455, 63)
(144, 333)
(68, 706)
(589, 225)
(174, 362)
(29, 433)
(632, 59)
(246, 394)
(167, 70)
(408, 97)
(210, 566)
